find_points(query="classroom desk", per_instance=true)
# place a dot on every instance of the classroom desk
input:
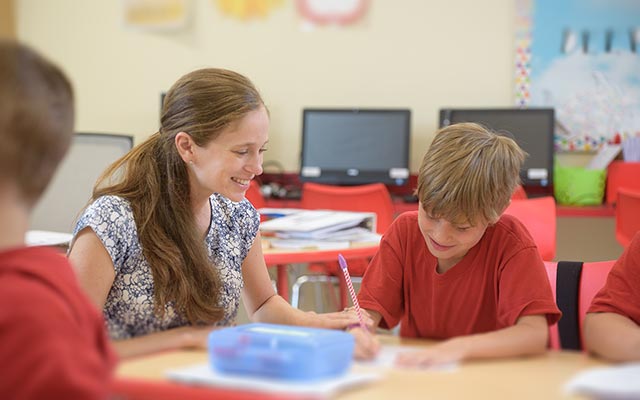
(281, 258)
(540, 377)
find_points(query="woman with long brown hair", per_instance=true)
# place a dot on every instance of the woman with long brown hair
(169, 242)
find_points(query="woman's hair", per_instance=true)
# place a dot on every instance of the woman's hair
(154, 179)
(469, 174)
(36, 119)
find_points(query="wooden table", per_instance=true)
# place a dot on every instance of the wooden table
(540, 377)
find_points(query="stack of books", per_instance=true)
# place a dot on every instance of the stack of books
(321, 229)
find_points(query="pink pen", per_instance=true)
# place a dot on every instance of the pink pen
(352, 292)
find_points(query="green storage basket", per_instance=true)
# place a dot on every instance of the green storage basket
(576, 186)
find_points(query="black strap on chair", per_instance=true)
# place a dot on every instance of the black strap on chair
(567, 292)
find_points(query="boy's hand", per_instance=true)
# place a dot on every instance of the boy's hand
(367, 345)
(448, 352)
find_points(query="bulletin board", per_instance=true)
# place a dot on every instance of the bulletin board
(582, 58)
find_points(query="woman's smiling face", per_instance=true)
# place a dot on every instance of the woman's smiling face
(228, 163)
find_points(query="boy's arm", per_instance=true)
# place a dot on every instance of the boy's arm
(612, 336)
(527, 337)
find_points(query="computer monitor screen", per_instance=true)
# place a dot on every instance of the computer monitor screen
(355, 146)
(532, 129)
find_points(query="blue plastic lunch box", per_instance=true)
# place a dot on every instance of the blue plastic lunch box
(281, 352)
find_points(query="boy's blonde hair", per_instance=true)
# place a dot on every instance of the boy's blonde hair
(469, 174)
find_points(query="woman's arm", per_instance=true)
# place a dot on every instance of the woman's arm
(612, 336)
(93, 266)
(527, 337)
(95, 271)
(264, 305)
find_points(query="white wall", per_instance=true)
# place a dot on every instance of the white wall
(421, 54)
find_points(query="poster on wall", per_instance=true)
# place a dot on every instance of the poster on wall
(156, 15)
(581, 57)
(331, 13)
(247, 9)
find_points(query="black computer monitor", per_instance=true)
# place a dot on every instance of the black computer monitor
(355, 146)
(532, 129)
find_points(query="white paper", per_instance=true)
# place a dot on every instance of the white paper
(618, 382)
(301, 244)
(203, 374)
(604, 157)
(47, 238)
(386, 359)
(278, 212)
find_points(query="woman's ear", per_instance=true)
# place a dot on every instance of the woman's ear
(185, 145)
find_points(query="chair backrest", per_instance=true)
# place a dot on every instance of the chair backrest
(621, 174)
(254, 195)
(539, 217)
(519, 194)
(627, 215)
(372, 197)
(70, 190)
(574, 285)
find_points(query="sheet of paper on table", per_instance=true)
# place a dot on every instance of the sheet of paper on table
(203, 374)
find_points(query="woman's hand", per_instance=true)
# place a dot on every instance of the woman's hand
(342, 319)
(195, 337)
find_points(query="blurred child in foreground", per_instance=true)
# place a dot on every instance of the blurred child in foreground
(54, 345)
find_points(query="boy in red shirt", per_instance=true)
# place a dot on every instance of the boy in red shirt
(612, 325)
(53, 341)
(457, 270)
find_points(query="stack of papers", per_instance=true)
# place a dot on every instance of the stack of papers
(618, 382)
(319, 225)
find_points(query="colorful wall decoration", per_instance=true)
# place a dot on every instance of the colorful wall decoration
(582, 58)
(157, 15)
(247, 9)
(331, 12)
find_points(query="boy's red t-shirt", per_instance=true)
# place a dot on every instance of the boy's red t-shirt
(501, 279)
(54, 344)
(621, 292)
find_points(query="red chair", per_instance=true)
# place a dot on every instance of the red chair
(254, 195)
(594, 276)
(364, 198)
(574, 285)
(627, 215)
(621, 174)
(519, 194)
(539, 217)
(367, 198)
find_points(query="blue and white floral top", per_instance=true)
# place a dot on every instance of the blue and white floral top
(129, 308)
